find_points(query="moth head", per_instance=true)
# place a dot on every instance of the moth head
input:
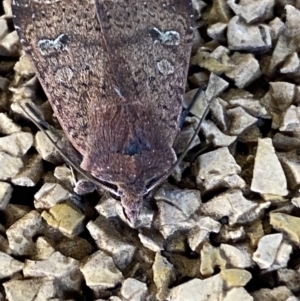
(131, 201)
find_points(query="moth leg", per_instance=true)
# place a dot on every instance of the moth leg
(188, 109)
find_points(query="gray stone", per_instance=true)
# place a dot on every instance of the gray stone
(45, 147)
(214, 135)
(283, 94)
(238, 293)
(244, 69)
(111, 241)
(133, 290)
(277, 27)
(279, 293)
(175, 208)
(251, 106)
(238, 256)
(235, 206)
(291, 64)
(252, 10)
(163, 275)
(20, 234)
(10, 166)
(30, 289)
(197, 290)
(291, 120)
(49, 195)
(240, 120)
(9, 266)
(64, 269)
(201, 231)
(5, 194)
(216, 85)
(31, 174)
(242, 36)
(217, 31)
(10, 44)
(16, 144)
(292, 21)
(100, 272)
(267, 249)
(268, 175)
(217, 169)
(3, 28)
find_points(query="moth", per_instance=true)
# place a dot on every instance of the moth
(114, 72)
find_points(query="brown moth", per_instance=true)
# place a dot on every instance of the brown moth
(114, 72)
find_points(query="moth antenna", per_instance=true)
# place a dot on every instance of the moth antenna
(181, 157)
(73, 164)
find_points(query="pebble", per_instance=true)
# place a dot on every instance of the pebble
(100, 272)
(288, 224)
(64, 270)
(210, 260)
(251, 10)
(66, 218)
(45, 148)
(244, 37)
(215, 136)
(291, 120)
(244, 69)
(197, 290)
(237, 256)
(30, 290)
(16, 144)
(292, 21)
(279, 293)
(31, 173)
(175, 206)
(201, 232)
(3, 28)
(7, 125)
(233, 205)
(9, 266)
(108, 239)
(267, 249)
(10, 166)
(164, 275)
(217, 169)
(49, 195)
(238, 294)
(133, 290)
(268, 176)
(20, 235)
(5, 194)
(236, 277)
(240, 120)
(10, 44)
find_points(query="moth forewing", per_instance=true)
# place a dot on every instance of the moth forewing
(114, 73)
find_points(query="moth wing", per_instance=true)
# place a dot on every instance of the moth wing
(69, 64)
(152, 40)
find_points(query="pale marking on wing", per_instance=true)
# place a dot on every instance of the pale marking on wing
(46, 1)
(165, 67)
(170, 37)
(64, 75)
(118, 91)
(47, 46)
